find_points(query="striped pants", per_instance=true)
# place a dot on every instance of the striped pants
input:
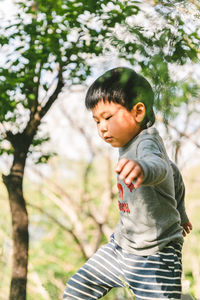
(148, 277)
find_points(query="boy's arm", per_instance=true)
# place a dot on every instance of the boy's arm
(179, 193)
(149, 168)
(152, 161)
(180, 198)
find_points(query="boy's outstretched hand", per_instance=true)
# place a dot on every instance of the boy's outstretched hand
(130, 170)
(187, 227)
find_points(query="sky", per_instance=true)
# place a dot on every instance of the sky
(7, 8)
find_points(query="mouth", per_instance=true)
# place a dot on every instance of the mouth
(108, 139)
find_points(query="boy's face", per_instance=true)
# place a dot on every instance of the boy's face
(116, 125)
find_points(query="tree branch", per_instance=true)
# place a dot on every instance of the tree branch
(183, 134)
(61, 225)
(40, 111)
(77, 227)
(54, 96)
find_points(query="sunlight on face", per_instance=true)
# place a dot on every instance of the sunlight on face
(116, 125)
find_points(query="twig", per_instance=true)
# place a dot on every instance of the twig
(61, 226)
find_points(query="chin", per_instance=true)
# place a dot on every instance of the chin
(116, 145)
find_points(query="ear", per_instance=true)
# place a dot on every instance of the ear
(139, 112)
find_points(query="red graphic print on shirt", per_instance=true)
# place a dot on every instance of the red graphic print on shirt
(120, 190)
(122, 206)
(131, 187)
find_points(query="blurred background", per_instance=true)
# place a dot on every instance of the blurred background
(58, 191)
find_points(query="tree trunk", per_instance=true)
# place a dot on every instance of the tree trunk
(13, 183)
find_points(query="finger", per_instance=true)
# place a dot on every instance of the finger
(190, 225)
(129, 169)
(120, 165)
(184, 234)
(187, 229)
(139, 181)
(133, 174)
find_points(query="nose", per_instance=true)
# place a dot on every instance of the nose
(103, 126)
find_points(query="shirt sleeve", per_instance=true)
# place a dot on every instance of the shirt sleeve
(179, 193)
(151, 159)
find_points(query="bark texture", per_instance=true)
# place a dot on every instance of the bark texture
(13, 183)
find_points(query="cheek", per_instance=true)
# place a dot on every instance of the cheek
(117, 127)
(99, 131)
(114, 127)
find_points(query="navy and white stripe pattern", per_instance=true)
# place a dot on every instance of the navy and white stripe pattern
(148, 277)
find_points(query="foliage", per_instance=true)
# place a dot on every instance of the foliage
(46, 38)
(168, 39)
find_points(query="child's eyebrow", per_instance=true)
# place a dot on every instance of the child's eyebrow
(96, 117)
(102, 113)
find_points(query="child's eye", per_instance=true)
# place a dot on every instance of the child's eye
(107, 118)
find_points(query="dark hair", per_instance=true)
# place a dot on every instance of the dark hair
(123, 86)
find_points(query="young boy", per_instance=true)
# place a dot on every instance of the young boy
(145, 249)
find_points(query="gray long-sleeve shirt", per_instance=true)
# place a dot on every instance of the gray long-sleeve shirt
(179, 193)
(149, 218)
